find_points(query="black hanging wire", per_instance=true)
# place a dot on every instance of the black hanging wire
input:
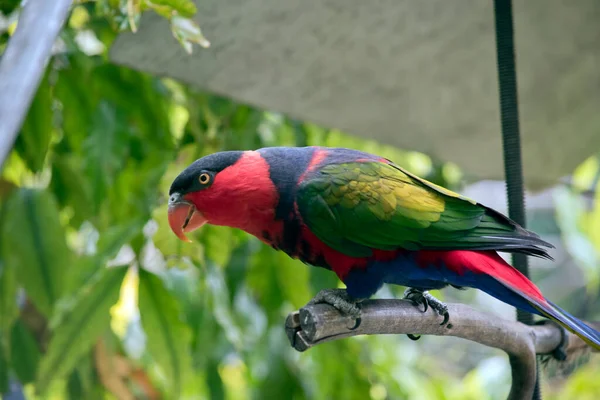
(511, 140)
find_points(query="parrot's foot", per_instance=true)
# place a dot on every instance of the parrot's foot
(341, 300)
(419, 297)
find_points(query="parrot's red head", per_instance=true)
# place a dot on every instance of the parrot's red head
(230, 188)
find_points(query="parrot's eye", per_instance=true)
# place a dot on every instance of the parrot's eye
(204, 178)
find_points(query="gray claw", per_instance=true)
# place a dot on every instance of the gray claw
(339, 299)
(422, 297)
(416, 297)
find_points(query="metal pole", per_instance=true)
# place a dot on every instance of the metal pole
(24, 62)
(511, 139)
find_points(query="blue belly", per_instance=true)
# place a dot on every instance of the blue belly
(404, 271)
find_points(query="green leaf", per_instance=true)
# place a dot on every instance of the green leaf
(7, 7)
(74, 386)
(34, 245)
(115, 237)
(105, 149)
(187, 8)
(170, 245)
(34, 139)
(168, 338)
(71, 188)
(73, 92)
(260, 279)
(109, 244)
(80, 328)
(134, 192)
(8, 296)
(215, 383)
(294, 279)
(218, 243)
(83, 380)
(3, 369)
(25, 353)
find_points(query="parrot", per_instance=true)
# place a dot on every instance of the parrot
(369, 221)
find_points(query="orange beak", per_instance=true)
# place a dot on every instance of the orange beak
(183, 217)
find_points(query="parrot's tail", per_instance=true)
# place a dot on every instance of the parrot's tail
(490, 273)
(578, 327)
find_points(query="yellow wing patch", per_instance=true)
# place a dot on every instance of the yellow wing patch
(385, 191)
(439, 188)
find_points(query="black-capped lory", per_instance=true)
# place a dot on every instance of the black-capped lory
(366, 219)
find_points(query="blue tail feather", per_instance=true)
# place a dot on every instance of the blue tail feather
(575, 325)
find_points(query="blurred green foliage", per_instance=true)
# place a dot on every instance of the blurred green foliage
(98, 299)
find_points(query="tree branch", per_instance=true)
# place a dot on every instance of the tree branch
(23, 63)
(320, 323)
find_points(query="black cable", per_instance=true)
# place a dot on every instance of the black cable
(509, 115)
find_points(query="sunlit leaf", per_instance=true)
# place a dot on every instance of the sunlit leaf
(186, 8)
(584, 175)
(79, 17)
(25, 353)
(16, 173)
(592, 222)
(168, 338)
(34, 245)
(78, 331)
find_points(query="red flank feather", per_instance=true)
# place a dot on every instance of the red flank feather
(482, 262)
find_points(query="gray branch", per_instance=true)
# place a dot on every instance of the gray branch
(320, 323)
(23, 63)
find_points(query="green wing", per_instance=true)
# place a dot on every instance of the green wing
(359, 206)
